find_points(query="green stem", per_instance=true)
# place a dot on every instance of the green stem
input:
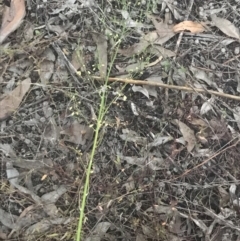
(86, 186)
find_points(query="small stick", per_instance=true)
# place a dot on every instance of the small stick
(173, 87)
(177, 46)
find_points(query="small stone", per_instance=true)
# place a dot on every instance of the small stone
(167, 10)
(213, 66)
(237, 50)
(27, 141)
(223, 50)
(19, 128)
(42, 119)
(205, 7)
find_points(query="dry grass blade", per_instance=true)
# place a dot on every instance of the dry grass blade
(193, 27)
(12, 101)
(12, 18)
(226, 27)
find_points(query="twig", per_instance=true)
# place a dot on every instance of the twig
(67, 63)
(234, 58)
(220, 219)
(178, 44)
(181, 33)
(69, 66)
(207, 160)
(167, 86)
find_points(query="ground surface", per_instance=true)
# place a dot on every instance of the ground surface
(166, 166)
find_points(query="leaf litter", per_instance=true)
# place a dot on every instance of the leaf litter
(226, 27)
(12, 100)
(188, 135)
(12, 18)
(148, 162)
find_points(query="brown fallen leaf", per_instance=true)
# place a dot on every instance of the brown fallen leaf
(188, 135)
(12, 18)
(12, 101)
(78, 133)
(193, 27)
(138, 48)
(164, 30)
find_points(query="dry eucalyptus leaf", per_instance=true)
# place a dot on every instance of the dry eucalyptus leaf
(8, 219)
(29, 31)
(78, 133)
(7, 150)
(226, 27)
(188, 135)
(99, 231)
(12, 18)
(138, 48)
(140, 237)
(160, 140)
(160, 51)
(193, 27)
(132, 136)
(62, 5)
(78, 60)
(206, 107)
(13, 99)
(129, 22)
(101, 42)
(173, 9)
(154, 163)
(45, 224)
(149, 232)
(236, 115)
(165, 31)
(140, 89)
(51, 131)
(129, 185)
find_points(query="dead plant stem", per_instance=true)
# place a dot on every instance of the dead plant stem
(207, 160)
(167, 86)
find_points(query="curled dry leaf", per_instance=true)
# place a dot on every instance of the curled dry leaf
(226, 27)
(12, 101)
(193, 27)
(12, 18)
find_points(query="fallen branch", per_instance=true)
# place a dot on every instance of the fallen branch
(173, 87)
